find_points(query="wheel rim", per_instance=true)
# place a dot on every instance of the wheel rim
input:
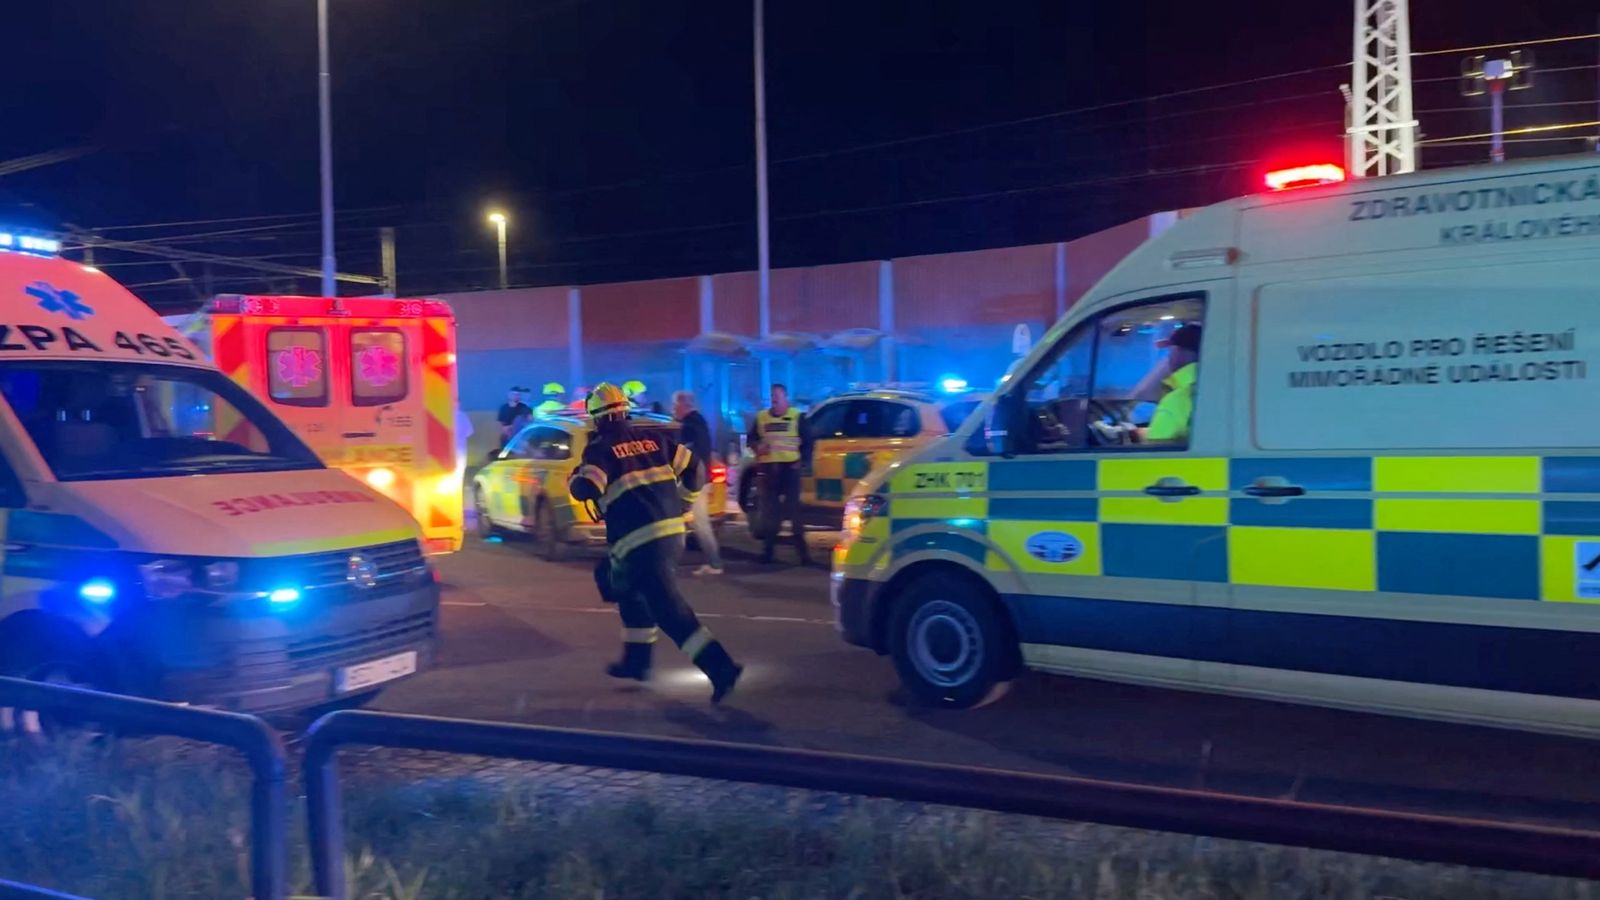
(945, 643)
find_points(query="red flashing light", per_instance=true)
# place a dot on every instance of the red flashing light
(1304, 176)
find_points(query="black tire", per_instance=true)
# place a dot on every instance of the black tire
(486, 527)
(948, 642)
(548, 537)
(54, 653)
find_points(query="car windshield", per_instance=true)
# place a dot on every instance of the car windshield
(956, 412)
(105, 420)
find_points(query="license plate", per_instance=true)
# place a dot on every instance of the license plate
(377, 671)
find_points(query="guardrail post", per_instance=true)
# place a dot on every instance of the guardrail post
(324, 816)
(253, 738)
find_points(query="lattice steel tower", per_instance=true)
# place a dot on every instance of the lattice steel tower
(1382, 131)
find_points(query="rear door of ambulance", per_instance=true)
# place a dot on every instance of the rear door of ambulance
(1415, 502)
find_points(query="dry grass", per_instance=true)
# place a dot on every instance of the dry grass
(93, 821)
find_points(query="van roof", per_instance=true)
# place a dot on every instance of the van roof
(53, 308)
(1542, 202)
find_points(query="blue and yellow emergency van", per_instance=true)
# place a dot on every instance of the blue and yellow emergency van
(1337, 445)
(165, 534)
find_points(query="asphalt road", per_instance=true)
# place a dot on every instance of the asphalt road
(526, 640)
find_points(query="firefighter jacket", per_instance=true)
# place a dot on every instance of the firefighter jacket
(640, 481)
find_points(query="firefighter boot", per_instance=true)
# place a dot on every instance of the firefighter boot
(720, 668)
(635, 663)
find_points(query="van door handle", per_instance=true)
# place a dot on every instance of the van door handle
(1171, 490)
(360, 434)
(1275, 490)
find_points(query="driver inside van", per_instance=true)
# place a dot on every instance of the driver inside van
(1177, 373)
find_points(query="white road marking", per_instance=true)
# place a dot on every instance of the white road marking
(462, 603)
(703, 615)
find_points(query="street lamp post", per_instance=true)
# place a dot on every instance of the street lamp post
(498, 220)
(324, 102)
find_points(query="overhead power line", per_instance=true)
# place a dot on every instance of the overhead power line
(1531, 129)
(1536, 41)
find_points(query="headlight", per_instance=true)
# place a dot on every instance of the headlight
(859, 510)
(169, 579)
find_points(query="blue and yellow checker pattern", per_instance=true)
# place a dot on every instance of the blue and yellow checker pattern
(830, 477)
(1502, 527)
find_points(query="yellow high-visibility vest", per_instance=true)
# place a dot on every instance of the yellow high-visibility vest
(780, 434)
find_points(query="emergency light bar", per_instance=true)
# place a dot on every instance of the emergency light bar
(1304, 176)
(29, 243)
(344, 307)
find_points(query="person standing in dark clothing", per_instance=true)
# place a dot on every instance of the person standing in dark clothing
(513, 415)
(697, 435)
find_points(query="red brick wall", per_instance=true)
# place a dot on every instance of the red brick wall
(822, 299)
(735, 306)
(1090, 257)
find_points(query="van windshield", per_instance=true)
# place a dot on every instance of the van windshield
(107, 420)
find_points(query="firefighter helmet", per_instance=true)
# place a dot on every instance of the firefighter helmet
(607, 400)
(633, 388)
(553, 390)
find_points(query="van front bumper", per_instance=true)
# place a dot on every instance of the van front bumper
(284, 661)
(855, 610)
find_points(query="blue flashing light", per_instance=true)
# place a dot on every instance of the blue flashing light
(97, 591)
(950, 384)
(284, 596)
(29, 243)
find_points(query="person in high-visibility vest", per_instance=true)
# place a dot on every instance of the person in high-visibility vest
(778, 436)
(639, 482)
(552, 403)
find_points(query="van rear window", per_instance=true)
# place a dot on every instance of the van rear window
(297, 366)
(378, 366)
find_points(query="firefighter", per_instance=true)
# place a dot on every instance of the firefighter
(639, 481)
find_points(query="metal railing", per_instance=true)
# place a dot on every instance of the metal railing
(253, 738)
(1427, 838)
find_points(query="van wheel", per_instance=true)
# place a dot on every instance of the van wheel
(947, 642)
(547, 535)
(34, 654)
(480, 506)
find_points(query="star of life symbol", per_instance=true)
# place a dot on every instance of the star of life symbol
(379, 366)
(299, 366)
(56, 300)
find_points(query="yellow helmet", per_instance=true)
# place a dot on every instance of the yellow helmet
(633, 388)
(553, 389)
(607, 400)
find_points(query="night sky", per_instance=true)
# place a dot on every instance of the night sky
(618, 133)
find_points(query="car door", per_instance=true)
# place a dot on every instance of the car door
(1120, 544)
(822, 470)
(876, 431)
(507, 500)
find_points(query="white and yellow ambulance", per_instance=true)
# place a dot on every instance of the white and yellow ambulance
(148, 553)
(1372, 481)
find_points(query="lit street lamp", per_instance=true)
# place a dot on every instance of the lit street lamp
(498, 220)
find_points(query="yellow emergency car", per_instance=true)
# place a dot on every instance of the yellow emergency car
(851, 434)
(524, 486)
(1385, 494)
(167, 535)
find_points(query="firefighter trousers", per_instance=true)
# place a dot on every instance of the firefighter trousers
(648, 598)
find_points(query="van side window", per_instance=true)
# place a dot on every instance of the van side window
(1058, 397)
(1146, 374)
(378, 365)
(297, 366)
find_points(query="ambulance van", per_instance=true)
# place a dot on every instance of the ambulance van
(147, 553)
(368, 382)
(1337, 445)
